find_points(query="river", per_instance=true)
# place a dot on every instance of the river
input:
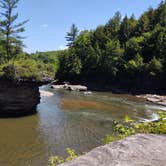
(66, 119)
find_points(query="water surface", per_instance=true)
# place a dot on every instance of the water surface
(66, 119)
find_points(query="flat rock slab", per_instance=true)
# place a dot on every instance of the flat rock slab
(70, 87)
(156, 99)
(138, 150)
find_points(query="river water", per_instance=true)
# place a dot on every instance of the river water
(66, 119)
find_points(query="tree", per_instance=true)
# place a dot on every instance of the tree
(113, 25)
(127, 29)
(72, 35)
(133, 47)
(143, 24)
(161, 14)
(9, 28)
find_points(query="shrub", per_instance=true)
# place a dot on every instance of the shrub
(27, 69)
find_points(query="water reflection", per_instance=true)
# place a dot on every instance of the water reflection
(66, 119)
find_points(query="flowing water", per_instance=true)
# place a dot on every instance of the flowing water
(66, 119)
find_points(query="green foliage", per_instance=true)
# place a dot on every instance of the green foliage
(134, 65)
(51, 58)
(10, 28)
(72, 35)
(108, 138)
(128, 119)
(27, 70)
(127, 29)
(128, 52)
(122, 130)
(133, 47)
(55, 160)
(158, 127)
(155, 67)
(113, 26)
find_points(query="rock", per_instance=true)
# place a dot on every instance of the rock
(18, 99)
(76, 88)
(138, 150)
(70, 87)
(88, 93)
(46, 93)
(156, 99)
(57, 86)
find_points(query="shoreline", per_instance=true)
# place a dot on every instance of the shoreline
(155, 96)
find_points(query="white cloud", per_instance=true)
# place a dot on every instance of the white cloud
(62, 47)
(44, 25)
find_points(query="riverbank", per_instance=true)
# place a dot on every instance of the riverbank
(155, 96)
(156, 99)
(130, 144)
(140, 149)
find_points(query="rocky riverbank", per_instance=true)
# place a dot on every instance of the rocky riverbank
(138, 150)
(156, 99)
(18, 99)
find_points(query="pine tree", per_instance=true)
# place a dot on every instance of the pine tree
(9, 28)
(113, 25)
(71, 36)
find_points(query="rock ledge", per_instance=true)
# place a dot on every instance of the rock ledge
(138, 150)
(18, 99)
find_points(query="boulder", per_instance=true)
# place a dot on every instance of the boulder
(70, 87)
(76, 88)
(138, 150)
(57, 86)
(156, 99)
(18, 99)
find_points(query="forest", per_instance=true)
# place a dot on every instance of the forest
(125, 52)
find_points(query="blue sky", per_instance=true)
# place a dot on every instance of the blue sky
(51, 19)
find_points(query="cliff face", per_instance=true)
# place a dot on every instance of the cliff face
(18, 99)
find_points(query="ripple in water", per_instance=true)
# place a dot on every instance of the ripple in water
(66, 119)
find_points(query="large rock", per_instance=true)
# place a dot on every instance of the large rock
(18, 99)
(70, 87)
(138, 150)
(156, 99)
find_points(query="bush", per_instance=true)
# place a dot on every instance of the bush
(27, 69)
(127, 128)
(55, 160)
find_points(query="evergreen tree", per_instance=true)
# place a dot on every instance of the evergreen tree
(9, 28)
(161, 14)
(71, 36)
(127, 29)
(113, 25)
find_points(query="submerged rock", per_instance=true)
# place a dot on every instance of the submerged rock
(18, 99)
(87, 93)
(138, 150)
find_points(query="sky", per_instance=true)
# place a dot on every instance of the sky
(50, 20)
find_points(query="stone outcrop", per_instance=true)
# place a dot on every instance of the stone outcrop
(18, 99)
(156, 99)
(138, 150)
(70, 87)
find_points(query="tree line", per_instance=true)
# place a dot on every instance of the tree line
(128, 52)
(125, 52)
